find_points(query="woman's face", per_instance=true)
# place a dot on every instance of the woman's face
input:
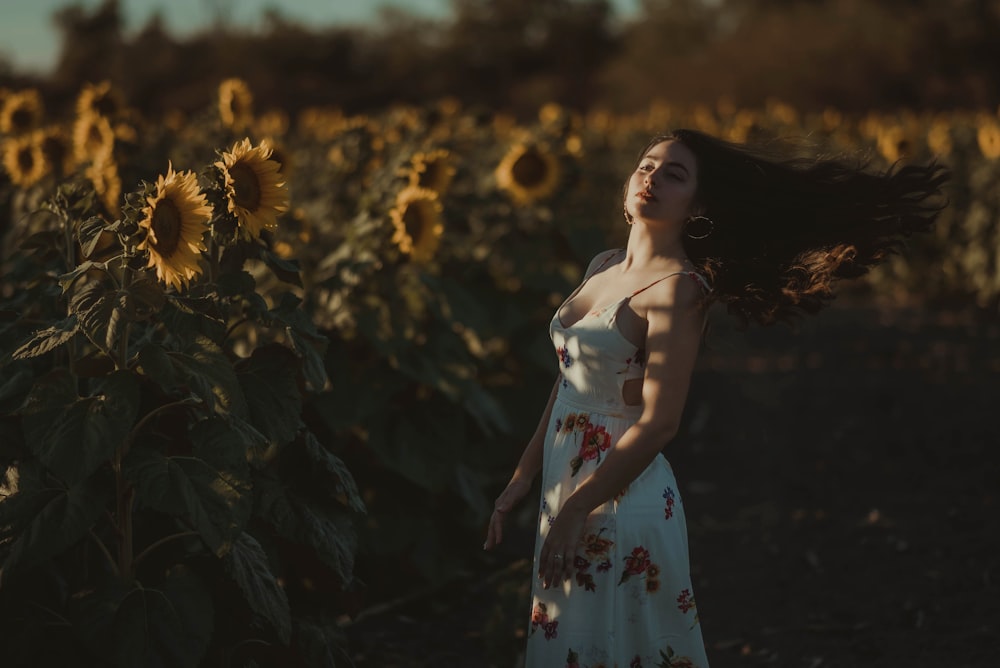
(662, 187)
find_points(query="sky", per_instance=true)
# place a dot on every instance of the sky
(30, 41)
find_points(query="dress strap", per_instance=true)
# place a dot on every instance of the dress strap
(695, 276)
(606, 260)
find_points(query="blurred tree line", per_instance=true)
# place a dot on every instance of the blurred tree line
(514, 55)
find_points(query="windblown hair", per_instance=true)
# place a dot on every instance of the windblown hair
(785, 229)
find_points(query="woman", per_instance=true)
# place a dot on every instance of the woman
(710, 221)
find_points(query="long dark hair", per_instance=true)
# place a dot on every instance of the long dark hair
(785, 229)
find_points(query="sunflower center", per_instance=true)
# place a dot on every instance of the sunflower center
(21, 119)
(166, 225)
(26, 159)
(530, 169)
(246, 186)
(413, 221)
(105, 105)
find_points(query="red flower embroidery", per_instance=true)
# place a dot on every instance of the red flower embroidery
(636, 662)
(685, 601)
(636, 563)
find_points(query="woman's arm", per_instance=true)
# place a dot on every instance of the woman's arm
(531, 459)
(672, 341)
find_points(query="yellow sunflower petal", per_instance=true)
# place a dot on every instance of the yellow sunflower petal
(175, 219)
(24, 161)
(21, 112)
(255, 189)
(417, 224)
(235, 104)
(528, 173)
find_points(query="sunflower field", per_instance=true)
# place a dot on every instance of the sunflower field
(260, 373)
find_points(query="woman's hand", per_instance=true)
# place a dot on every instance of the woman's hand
(555, 562)
(514, 492)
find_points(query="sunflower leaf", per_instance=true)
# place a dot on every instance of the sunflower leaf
(49, 339)
(330, 532)
(236, 283)
(73, 436)
(168, 626)
(65, 517)
(247, 565)
(149, 293)
(285, 270)
(155, 363)
(269, 381)
(338, 482)
(89, 233)
(94, 305)
(66, 280)
(207, 371)
(210, 489)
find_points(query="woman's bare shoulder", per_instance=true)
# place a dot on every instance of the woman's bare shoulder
(600, 259)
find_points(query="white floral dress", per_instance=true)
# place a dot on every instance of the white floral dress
(630, 603)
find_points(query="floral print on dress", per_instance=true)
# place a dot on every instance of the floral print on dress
(638, 563)
(638, 359)
(670, 496)
(685, 603)
(670, 659)
(540, 619)
(596, 549)
(596, 440)
(564, 356)
(572, 659)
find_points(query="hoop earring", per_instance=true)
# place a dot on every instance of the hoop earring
(711, 227)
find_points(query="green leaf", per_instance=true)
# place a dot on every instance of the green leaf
(155, 364)
(209, 374)
(93, 303)
(66, 280)
(168, 626)
(285, 270)
(74, 438)
(15, 383)
(188, 318)
(338, 482)
(269, 381)
(148, 293)
(89, 232)
(235, 283)
(318, 643)
(247, 565)
(49, 339)
(313, 367)
(330, 532)
(64, 519)
(210, 489)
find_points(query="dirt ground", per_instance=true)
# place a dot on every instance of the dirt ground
(841, 483)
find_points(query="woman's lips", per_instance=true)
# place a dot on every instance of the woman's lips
(645, 195)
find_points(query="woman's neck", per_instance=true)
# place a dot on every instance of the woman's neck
(653, 249)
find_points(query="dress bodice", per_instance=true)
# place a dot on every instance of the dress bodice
(595, 358)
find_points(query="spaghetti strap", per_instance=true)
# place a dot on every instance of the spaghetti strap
(601, 265)
(695, 276)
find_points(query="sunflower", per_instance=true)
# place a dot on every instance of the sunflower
(528, 172)
(235, 104)
(21, 112)
(432, 171)
(24, 161)
(101, 99)
(93, 138)
(254, 187)
(988, 137)
(939, 137)
(103, 173)
(175, 221)
(57, 149)
(417, 222)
